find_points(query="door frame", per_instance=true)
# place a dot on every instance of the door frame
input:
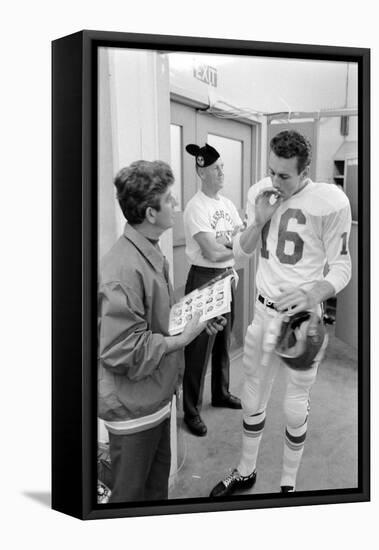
(258, 130)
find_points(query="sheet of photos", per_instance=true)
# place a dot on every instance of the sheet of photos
(211, 301)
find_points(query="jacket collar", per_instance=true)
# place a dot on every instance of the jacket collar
(147, 249)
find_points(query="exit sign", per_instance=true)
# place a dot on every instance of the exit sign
(206, 74)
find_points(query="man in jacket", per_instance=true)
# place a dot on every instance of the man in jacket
(139, 363)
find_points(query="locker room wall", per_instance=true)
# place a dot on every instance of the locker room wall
(133, 124)
(134, 121)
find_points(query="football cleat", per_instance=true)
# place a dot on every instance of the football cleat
(287, 489)
(233, 482)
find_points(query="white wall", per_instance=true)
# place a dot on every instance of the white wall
(134, 115)
(276, 85)
(352, 88)
(352, 101)
(134, 119)
(328, 143)
(264, 84)
(108, 213)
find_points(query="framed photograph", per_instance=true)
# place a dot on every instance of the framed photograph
(177, 160)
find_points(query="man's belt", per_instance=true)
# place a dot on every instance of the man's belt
(266, 302)
(205, 269)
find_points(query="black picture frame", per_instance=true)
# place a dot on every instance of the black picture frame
(74, 271)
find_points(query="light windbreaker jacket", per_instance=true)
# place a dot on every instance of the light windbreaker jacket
(137, 377)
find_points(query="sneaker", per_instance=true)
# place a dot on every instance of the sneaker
(233, 482)
(287, 489)
(195, 425)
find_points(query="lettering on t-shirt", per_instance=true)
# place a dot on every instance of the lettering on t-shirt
(221, 214)
(223, 232)
(227, 234)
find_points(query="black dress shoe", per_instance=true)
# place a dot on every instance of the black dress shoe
(229, 402)
(195, 425)
(287, 489)
(233, 482)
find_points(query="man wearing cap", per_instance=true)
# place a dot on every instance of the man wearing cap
(210, 222)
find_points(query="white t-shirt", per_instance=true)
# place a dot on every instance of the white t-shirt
(307, 231)
(203, 214)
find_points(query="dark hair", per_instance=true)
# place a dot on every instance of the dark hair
(141, 185)
(289, 144)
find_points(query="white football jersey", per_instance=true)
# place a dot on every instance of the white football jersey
(305, 241)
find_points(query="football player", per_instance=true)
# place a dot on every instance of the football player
(300, 231)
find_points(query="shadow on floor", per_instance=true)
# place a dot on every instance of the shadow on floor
(330, 454)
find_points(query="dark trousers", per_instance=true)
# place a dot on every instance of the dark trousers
(198, 351)
(140, 464)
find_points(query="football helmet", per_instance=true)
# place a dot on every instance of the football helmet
(300, 339)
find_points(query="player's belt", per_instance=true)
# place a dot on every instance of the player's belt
(204, 269)
(266, 302)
